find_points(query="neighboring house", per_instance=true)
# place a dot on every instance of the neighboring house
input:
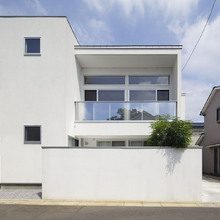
(198, 129)
(210, 139)
(55, 92)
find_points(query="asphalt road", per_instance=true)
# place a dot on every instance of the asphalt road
(27, 212)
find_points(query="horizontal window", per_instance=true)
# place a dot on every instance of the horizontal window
(137, 143)
(32, 134)
(32, 45)
(142, 95)
(110, 143)
(149, 80)
(104, 80)
(111, 95)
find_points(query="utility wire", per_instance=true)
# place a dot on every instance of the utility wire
(200, 35)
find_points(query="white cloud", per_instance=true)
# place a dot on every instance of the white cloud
(197, 93)
(96, 32)
(205, 60)
(175, 9)
(202, 71)
(36, 4)
(23, 7)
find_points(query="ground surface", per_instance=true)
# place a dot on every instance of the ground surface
(18, 212)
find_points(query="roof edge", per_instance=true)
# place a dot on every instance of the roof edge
(211, 95)
(128, 46)
(43, 16)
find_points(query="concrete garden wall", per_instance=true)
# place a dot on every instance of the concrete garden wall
(122, 174)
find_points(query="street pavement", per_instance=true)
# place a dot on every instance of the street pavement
(27, 212)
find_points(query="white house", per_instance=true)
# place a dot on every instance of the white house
(56, 92)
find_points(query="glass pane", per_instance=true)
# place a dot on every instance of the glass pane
(32, 133)
(150, 111)
(111, 95)
(136, 111)
(148, 79)
(104, 143)
(88, 111)
(167, 108)
(104, 80)
(142, 95)
(118, 143)
(101, 111)
(32, 45)
(135, 143)
(90, 95)
(162, 95)
(117, 111)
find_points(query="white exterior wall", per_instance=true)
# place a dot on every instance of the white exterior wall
(33, 91)
(144, 174)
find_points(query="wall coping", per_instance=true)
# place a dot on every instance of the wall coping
(114, 148)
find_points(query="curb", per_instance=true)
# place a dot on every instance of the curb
(105, 203)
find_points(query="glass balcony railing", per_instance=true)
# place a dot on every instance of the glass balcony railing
(114, 111)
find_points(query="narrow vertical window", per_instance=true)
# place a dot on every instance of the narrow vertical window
(218, 115)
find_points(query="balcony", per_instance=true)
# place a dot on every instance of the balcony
(123, 111)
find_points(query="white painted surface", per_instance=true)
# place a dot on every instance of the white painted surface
(153, 174)
(116, 129)
(35, 90)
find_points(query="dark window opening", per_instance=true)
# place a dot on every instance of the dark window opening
(90, 95)
(162, 95)
(218, 115)
(32, 134)
(32, 46)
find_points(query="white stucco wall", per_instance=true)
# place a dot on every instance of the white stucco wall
(34, 90)
(144, 174)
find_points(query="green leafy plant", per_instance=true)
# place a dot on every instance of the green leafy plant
(170, 131)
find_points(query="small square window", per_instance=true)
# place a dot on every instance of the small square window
(32, 46)
(218, 115)
(163, 95)
(32, 134)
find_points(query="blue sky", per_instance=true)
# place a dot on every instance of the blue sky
(145, 22)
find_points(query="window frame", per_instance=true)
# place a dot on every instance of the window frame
(144, 84)
(105, 76)
(217, 119)
(32, 142)
(25, 48)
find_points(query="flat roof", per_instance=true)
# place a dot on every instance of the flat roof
(128, 46)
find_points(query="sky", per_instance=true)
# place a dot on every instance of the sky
(145, 22)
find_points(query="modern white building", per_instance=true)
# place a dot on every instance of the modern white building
(56, 92)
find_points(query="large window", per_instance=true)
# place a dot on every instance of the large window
(149, 80)
(142, 95)
(32, 134)
(218, 115)
(104, 80)
(32, 46)
(111, 95)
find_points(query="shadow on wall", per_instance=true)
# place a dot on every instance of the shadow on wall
(173, 157)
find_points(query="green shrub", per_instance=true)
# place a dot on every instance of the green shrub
(170, 131)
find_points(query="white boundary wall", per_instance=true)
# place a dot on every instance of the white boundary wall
(122, 174)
